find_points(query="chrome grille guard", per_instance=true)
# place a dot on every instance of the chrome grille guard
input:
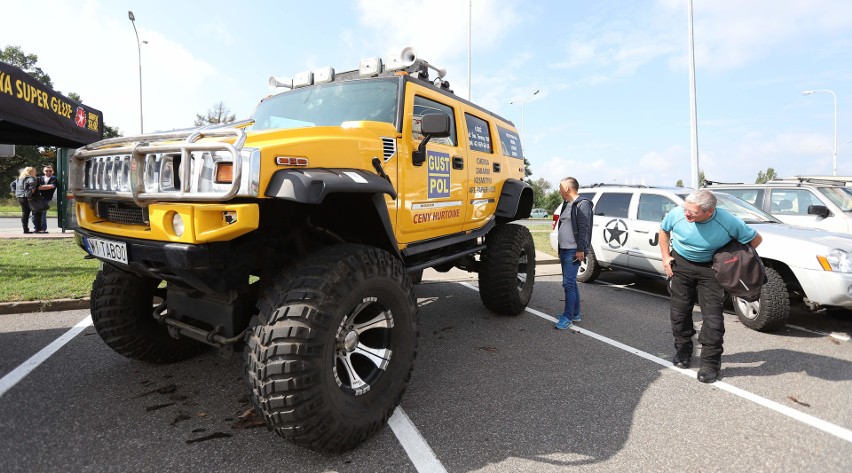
(97, 170)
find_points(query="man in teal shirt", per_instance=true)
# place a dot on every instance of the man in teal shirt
(695, 231)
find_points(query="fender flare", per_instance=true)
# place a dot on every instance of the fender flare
(516, 201)
(312, 186)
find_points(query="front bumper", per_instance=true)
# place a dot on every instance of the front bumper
(211, 268)
(826, 288)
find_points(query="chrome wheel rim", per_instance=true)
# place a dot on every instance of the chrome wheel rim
(363, 346)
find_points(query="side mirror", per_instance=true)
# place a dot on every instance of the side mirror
(432, 124)
(819, 210)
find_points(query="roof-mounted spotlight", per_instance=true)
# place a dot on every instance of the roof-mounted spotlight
(275, 82)
(303, 79)
(321, 76)
(370, 66)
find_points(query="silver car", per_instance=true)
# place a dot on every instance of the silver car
(803, 265)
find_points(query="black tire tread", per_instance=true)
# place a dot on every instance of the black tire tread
(499, 269)
(122, 313)
(593, 269)
(285, 348)
(774, 305)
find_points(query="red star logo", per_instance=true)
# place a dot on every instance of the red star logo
(80, 117)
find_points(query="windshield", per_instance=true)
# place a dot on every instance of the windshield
(330, 105)
(743, 210)
(840, 196)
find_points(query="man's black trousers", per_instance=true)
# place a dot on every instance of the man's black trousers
(691, 282)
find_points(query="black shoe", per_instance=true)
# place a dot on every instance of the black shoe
(707, 374)
(682, 359)
(27, 231)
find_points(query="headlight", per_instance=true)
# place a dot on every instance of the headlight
(217, 171)
(837, 260)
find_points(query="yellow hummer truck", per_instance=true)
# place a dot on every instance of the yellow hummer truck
(296, 237)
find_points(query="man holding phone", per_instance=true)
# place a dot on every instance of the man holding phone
(575, 239)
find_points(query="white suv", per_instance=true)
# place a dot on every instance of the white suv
(818, 202)
(803, 265)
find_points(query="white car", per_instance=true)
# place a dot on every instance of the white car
(818, 201)
(539, 213)
(803, 265)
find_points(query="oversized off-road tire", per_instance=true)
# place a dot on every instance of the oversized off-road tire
(122, 306)
(507, 272)
(771, 311)
(331, 351)
(589, 268)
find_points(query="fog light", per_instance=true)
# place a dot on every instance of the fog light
(177, 224)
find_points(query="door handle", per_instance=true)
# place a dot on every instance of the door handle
(458, 162)
(496, 167)
(642, 231)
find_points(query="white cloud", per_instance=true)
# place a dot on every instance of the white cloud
(731, 33)
(95, 55)
(440, 32)
(727, 34)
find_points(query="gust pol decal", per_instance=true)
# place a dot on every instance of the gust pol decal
(438, 172)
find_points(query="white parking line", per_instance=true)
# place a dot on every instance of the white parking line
(836, 336)
(19, 373)
(827, 427)
(409, 437)
(414, 444)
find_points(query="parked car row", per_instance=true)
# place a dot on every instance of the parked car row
(818, 202)
(803, 265)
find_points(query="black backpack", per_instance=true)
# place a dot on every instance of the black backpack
(739, 270)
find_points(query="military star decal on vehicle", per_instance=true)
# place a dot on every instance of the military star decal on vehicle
(615, 233)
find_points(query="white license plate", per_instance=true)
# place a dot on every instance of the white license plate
(107, 249)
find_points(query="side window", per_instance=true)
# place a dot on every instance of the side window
(478, 134)
(653, 208)
(752, 196)
(791, 201)
(613, 205)
(510, 144)
(423, 106)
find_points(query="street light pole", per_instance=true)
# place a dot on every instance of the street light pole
(809, 92)
(693, 107)
(139, 49)
(523, 102)
(469, 46)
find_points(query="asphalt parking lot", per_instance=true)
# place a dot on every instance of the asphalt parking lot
(488, 394)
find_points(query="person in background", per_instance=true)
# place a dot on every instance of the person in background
(47, 186)
(695, 231)
(575, 239)
(25, 187)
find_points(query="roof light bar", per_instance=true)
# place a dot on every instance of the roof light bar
(370, 66)
(406, 62)
(303, 79)
(323, 75)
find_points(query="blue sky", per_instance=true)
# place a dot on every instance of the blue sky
(613, 75)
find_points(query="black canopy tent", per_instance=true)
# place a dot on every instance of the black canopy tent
(33, 114)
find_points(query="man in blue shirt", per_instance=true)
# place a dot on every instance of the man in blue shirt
(695, 231)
